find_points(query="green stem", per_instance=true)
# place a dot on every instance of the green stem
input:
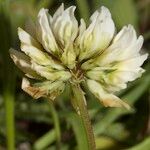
(83, 112)
(56, 124)
(9, 109)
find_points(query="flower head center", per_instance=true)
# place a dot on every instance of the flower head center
(77, 75)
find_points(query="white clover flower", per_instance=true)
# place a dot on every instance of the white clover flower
(61, 51)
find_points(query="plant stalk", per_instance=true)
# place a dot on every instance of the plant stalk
(83, 113)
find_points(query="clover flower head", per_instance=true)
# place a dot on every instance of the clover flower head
(60, 50)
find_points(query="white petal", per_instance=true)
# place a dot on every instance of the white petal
(82, 28)
(115, 77)
(65, 26)
(118, 50)
(46, 89)
(23, 62)
(30, 28)
(125, 45)
(106, 13)
(69, 57)
(126, 36)
(34, 92)
(128, 70)
(41, 57)
(106, 98)
(58, 12)
(132, 50)
(50, 73)
(98, 35)
(119, 77)
(131, 64)
(27, 39)
(44, 32)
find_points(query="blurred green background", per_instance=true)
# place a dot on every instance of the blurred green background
(27, 124)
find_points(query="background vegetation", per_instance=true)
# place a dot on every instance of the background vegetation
(40, 125)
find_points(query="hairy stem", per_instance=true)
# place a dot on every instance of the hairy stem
(83, 113)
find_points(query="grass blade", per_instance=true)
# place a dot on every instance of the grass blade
(45, 140)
